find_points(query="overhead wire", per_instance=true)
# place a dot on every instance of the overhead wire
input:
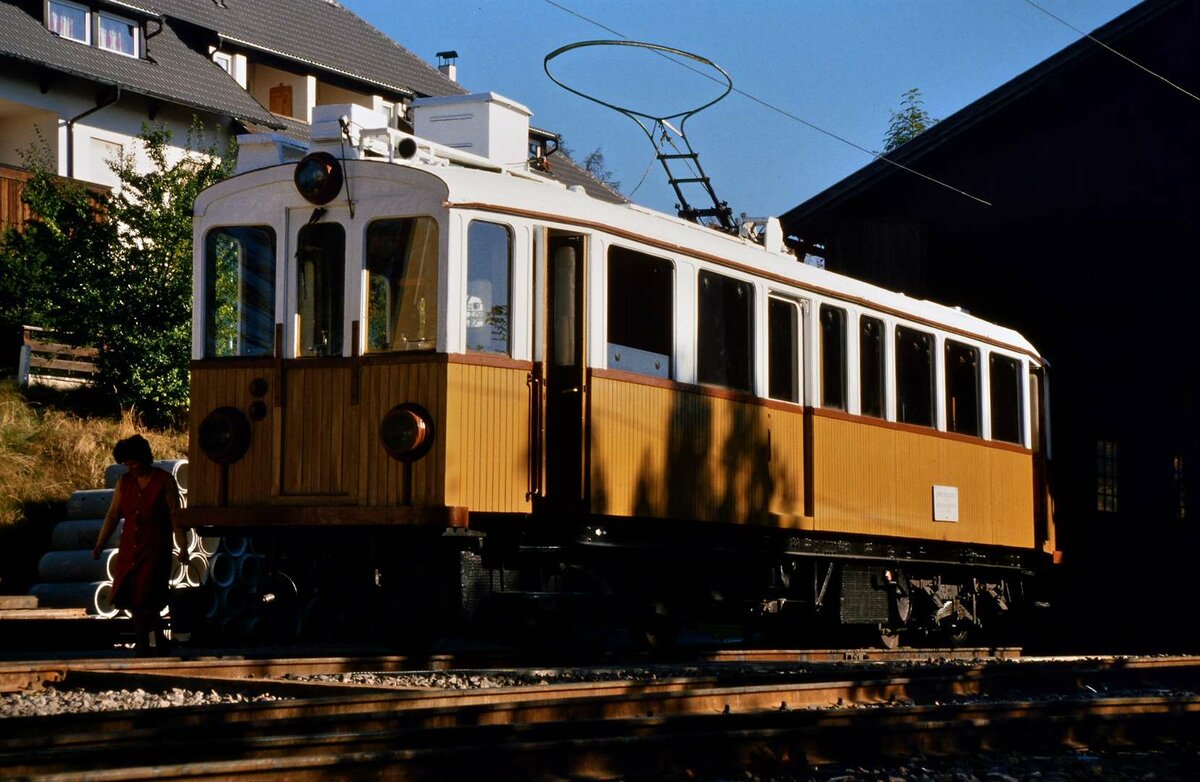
(1098, 42)
(777, 109)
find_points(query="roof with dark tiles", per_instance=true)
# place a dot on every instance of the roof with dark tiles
(172, 72)
(318, 33)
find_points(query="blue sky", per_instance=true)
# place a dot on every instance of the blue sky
(840, 64)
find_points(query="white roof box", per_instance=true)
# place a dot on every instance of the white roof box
(484, 124)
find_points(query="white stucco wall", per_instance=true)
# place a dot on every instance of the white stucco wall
(96, 136)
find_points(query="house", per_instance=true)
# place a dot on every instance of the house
(1088, 246)
(83, 75)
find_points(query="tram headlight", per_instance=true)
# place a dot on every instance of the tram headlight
(407, 432)
(225, 435)
(318, 178)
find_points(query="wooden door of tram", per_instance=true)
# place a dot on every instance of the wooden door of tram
(315, 451)
(563, 435)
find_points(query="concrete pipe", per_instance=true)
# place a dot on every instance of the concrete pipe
(232, 600)
(249, 571)
(61, 566)
(89, 504)
(213, 604)
(222, 569)
(177, 467)
(178, 571)
(234, 544)
(196, 569)
(94, 596)
(81, 534)
(205, 544)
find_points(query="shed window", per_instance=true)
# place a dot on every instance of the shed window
(117, 34)
(402, 284)
(1106, 476)
(914, 377)
(783, 350)
(726, 332)
(871, 368)
(489, 272)
(833, 357)
(321, 277)
(641, 312)
(962, 388)
(239, 278)
(69, 20)
(1004, 377)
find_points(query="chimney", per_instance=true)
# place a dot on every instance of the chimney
(446, 64)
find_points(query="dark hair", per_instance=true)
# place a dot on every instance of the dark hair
(133, 449)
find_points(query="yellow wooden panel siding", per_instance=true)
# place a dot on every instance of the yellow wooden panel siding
(671, 454)
(382, 387)
(488, 438)
(874, 480)
(316, 450)
(249, 479)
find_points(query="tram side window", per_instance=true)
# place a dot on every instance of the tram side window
(641, 312)
(783, 322)
(1004, 378)
(871, 370)
(914, 377)
(402, 282)
(833, 357)
(321, 277)
(962, 388)
(726, 350)
(489, 271)
(239, 278)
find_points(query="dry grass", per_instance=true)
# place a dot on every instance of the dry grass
(48, 451)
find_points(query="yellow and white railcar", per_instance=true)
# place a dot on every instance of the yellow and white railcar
(401, 349)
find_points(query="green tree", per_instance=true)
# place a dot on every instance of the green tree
(908, 123)
(43, 265)
(116, 270)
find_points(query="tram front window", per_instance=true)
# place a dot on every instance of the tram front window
(402, 284)
(239, 296)
(321, 275)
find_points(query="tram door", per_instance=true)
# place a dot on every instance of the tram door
(564, 430)
(315, 456)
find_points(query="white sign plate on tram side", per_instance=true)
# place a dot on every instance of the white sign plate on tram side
(945, 503)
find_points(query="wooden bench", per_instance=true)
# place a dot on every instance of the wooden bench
(46, 362)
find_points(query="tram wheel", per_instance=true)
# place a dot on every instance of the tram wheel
(889, 637)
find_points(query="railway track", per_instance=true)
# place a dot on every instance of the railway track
(769, 718)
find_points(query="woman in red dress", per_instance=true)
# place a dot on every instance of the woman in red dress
(145, 496)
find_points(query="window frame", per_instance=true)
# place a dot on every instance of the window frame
(339, 302)
(843, 367)
(510, 267)
(884, 397)
(209, 290)
(612, 348)
(133, 23)
(797, 340)
(948, 400)
(932, 336)
(365, 283)
(1022, 389)
(87, 20)
(750, 326)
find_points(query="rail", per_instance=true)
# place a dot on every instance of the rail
(58, 364)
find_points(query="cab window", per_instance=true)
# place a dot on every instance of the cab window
(321, 277)
(401, 262)
(962, 388)
(1004, 378)
(239, 276)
